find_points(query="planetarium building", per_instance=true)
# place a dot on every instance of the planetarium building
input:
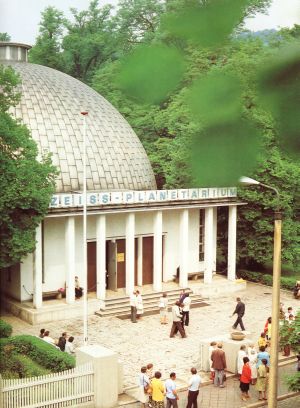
(136, 235)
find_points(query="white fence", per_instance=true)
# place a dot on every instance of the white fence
(69, 388)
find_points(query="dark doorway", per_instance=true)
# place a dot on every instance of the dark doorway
(147, 260)
(92, 266)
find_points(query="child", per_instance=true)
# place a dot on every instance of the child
(150, 375)
(262, 375)
(245, 379)
(262, 340)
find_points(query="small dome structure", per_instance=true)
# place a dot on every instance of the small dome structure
(50, 106)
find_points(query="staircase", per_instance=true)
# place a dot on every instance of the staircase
(120, 307)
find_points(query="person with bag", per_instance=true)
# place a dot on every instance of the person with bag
(158, 391)
(171, 392)
(144, 387)
(163, 309)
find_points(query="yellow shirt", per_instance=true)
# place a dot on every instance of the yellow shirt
(157, 389)
(262, 342)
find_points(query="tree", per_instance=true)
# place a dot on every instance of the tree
(27, 182)
(4, 37)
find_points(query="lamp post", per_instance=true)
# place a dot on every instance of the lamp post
(273, 379)
(84, 243)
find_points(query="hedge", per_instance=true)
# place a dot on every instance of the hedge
(5, 329)
(266, 279)
(42, 353)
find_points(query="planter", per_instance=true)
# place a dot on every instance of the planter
(237, 336)
(286, 350)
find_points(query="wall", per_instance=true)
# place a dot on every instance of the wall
(11, 281)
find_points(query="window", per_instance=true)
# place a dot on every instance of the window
(201, 234)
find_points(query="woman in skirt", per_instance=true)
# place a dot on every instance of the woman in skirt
(245, 379)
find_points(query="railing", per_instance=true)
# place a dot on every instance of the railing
(69, 388)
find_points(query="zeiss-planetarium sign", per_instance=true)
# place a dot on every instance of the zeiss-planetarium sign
(139, 197)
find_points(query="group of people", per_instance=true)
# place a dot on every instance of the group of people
(64, 343)
(153, 390)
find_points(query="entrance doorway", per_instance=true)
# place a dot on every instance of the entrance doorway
(147, 260)
(91, 267)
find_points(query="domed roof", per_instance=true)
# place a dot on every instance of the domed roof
(50, 106)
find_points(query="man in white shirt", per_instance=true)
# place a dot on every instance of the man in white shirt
(177, 325)
(69, 347)
(193, 389)
(133, 306)
(186, 310)
(171, 392)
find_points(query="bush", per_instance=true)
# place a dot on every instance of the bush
(5, 329)
(42, 353)
(266, 279)
(293, 381)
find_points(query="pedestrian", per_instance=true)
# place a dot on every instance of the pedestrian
(158, 391)
(252, 355)
(62, 341)
(171, 392)
(144, 387)
(269, 328)
(262, 355)
(193, 389)
(186, 310)
(240, 359)
(177, 325)
(219, 365)
(262, 342)
(240, 311)
(245, 379)
(212, 347)
(78, 288)
(139, 305)
(70, 348)
(163, 308)
(133, 304)
(182, 296)
(262, 380)
(42, 332)
(149, 373)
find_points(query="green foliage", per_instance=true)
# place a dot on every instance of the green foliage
(4, 37)
(266, 279)
(42, 353)
(26, 180)
(293, 382)
(9, 95)
(5, 329)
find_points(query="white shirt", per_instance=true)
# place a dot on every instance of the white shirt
(194, 383)
(133, 300)
(69, 348)
(186, 304)
(176, 313)
(49, 340)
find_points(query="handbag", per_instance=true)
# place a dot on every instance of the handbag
(224, 377)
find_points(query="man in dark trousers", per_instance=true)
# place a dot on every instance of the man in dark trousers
(177, 324)
(240, 311)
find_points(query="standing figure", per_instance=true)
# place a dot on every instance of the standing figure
(240, 362)
(245, 379)
(182, 296)
(149, 373)
(158, 391)
(133, 304)
(296, 290)
(262, 355)
(163, 309)
(177, 325)
(139, 305)
(218, 359)
(186, 310)
(262, 342)
(144, 385)
(78, 288)
(193, 389)
(269, 328)
(252, 355)
(240, 311)
(262, 380)
(212, 347)
(171, 392)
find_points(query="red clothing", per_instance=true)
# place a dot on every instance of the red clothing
(246, 374)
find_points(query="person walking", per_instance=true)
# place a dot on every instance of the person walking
(186, 310)
(163, 308)
(177, 325)
(171, 392)
(158, 391)
(245, 379)
(193, 389)
(144, 386)
(219, 365)
(240, 311)
(133, 304)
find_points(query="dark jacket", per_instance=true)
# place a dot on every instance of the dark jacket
(240, 309)
(218, 359)
(61, 343)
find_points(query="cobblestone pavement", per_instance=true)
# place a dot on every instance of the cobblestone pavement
(148, 341)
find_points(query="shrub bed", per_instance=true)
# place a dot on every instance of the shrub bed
(42, 353)
(5, 329)
(266, 279)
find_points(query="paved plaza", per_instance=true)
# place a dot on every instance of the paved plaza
(148, 340)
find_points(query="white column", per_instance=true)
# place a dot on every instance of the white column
(130, 229)
(232, 216)
(101, 256)
(208, 245)
(70, 259)
(214, 254)
(140, 262)
(37, 270)
(157, 251)
(184, 248)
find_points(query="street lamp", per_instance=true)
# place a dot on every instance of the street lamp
(273, 379)
(84, 244)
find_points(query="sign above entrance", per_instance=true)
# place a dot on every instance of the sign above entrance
(139, 197)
